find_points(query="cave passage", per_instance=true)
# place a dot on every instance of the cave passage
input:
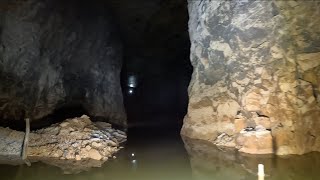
(156, 69)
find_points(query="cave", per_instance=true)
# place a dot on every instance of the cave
(155, 50)
(159, 89)
(156, 70)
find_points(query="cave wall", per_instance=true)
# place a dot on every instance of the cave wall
(255, 63)
(56, 53)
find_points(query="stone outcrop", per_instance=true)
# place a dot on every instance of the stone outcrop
(74, 145)
(76, 139)
(10, 146)
(56, 54)
(256, 63)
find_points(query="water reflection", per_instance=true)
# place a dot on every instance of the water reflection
(157, 156)
(209, 162)
(164, 156)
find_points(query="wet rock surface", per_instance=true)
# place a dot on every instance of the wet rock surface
(256, 63)
(57, 54)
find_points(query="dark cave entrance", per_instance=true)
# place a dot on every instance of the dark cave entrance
(156, 69)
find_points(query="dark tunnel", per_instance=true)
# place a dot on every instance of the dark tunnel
(156, 69)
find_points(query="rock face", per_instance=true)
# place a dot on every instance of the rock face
(256, 63)
(255, 142)
(55, 54)
(10, 146)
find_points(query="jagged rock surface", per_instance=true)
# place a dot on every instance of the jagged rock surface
(10, 146)
(75, 145)
(256, 63)
(76, 139)
(55, 54)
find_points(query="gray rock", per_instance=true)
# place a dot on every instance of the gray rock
(55, 55)
(10, 145)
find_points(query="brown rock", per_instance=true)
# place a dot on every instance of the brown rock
(255, 142)
(263, 121)
(78, 157)
(240, 124)
(88, 148)
(96, 145)
(94, 154)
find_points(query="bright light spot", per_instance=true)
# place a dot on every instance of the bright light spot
(134, 161)
(132, 81)
(132, 154)
(130, 91)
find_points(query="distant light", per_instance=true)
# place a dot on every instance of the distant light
(132, 154)
(134, 161)
(130, 91)
(132, 81)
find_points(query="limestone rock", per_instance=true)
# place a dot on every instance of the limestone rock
(255, 57)
(240, 124)
(94, 154)
(11, 142)
(255, 142)
(78, 139)
(263, 121)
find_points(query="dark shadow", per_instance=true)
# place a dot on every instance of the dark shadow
(156, 51)
(59, 115)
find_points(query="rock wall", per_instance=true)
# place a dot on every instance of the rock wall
(55, 54)
(256, 63)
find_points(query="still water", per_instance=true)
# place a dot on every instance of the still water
(161, 154)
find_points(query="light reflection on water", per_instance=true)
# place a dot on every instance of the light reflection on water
(165, 157)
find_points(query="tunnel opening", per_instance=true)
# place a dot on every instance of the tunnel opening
(156, 68)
